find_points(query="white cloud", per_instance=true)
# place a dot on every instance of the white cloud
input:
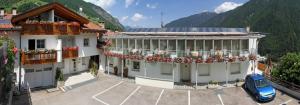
(128, 3)
(137, 17)
(124, 18)
(227, 6)
(152, 6)
(102, 3)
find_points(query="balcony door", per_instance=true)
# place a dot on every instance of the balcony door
(31, 44)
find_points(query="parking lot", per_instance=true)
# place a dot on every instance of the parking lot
(108, 91)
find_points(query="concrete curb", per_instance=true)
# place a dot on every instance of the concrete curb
(70, 87)
(286, 90)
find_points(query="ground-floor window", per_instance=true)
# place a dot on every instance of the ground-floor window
(29, 70)
(135, 66)
(203, 69)
(48, 69)
(235, 68)
(166, 69)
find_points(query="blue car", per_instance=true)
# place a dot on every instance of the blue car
(257, 85)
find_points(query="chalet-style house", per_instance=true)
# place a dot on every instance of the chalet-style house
(182, 54)
(50, 37)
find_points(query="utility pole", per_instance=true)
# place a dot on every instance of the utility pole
(161, 19)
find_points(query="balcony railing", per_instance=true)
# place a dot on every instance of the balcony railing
(39, 57)
(51, 28)
(70, 52)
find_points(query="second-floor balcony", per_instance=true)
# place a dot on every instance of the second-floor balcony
(51, 28)
(204, 56)
(39, 57)
(70, 52)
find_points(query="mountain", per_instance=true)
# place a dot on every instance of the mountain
(91, 11)
(279, 18)
(192, 21)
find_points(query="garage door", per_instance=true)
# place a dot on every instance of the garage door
(39, 77)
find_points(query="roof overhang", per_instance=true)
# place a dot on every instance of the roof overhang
(59, 10)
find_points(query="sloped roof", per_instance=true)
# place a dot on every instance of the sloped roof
(59, 9)
(187, 29)
(5, 22)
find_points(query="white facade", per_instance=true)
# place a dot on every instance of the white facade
(36, 75)
(182, 44)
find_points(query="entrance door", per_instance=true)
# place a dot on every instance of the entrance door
(185, 72)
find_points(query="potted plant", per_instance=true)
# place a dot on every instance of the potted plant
(116, 70)
(59, 77)
(93, 69)
(212, 84)
(125, 73)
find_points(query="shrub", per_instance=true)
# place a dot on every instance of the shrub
(93, 69)
(59, 76)
(288, 68)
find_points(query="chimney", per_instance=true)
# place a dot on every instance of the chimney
(2, 11)
(248, 28)
(80, 9)
(14, 11)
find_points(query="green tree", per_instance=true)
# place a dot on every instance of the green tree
(288, 68)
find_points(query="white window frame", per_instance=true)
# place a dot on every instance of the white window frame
(199, 69)
(166, 71)
(235, 72)
(36, 43)
(88, 42)
(133, 66)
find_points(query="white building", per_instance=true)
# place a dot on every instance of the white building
(51, 37)
(182, 54)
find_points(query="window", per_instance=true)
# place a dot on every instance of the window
(245, 44)
(86, 42)
(166, 69)
(235, 68)
(83, 61)
(203, 70)
(31, 44)
(29, 70)
(48, 69)
(136, 66)
(40, 43)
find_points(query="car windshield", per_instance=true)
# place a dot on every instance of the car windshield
(261, 83)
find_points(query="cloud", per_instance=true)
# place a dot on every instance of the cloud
(227, 6)
(152, 6)
(137, 17)
(102, 3)
(124, 18)
(128, 3)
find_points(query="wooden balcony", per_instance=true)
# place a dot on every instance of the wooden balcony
(70, 52)
(39, 57)
(51, 28)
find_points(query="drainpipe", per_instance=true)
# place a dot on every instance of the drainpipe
(20, 64)
(196, 75)
(145, 73)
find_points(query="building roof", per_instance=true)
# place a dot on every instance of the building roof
(5, 22)
(187, 29)
(8, 22)
(59, 10)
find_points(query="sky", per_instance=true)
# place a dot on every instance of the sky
(147, 13)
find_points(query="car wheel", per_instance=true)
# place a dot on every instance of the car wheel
(257, 98)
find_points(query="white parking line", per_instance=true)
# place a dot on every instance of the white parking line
(189, 97)
(162, 91)
(220, 99)
(286, 102)
(95, 96)
(130, 95)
